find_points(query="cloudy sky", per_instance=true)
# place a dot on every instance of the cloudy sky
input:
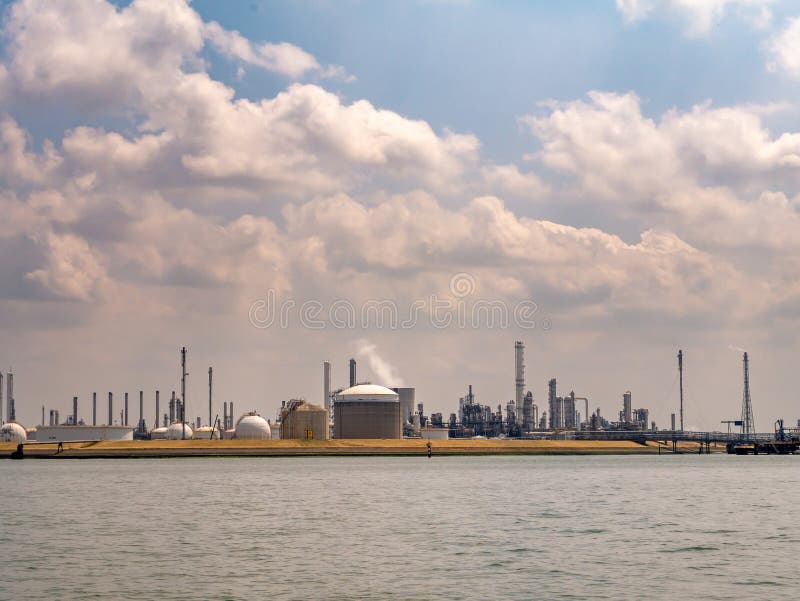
(621, 178)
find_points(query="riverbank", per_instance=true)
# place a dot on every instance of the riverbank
(282, 448)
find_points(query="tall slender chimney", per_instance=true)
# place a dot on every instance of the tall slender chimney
(12, 411)
(172, 408)
(230, 414)
(140, 427)
(326, 385)
(110, 408)
(1, 398)
(748, 423)
(225, 415)
(158, 416)
(210, 376)
(74, 411)
(519, 379)
(43, 415)
(352, 372)
(183, 393)
(94, 408)
(680, 376)
(125, 413)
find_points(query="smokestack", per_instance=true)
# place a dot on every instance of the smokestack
(326, 385)
(230, 414)
(43, 415)
(1, 399)
(110, 408)
(225, 415)
(94, 408)
(680, 375)
(155, 423)
(210, 375)
(141, 411)
(12, 412)
(125, 413)
(519, 363)
(74, 411)
(352, 372)
(183, 393)
(172, 408)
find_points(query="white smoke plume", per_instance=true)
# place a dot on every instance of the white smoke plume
(733, 347)
(383, 370)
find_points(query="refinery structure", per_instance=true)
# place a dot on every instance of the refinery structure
(360, 410)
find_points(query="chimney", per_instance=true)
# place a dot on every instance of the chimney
(94, 408)
(155, 423)
(12, 413)
(125, 416)
(140, 427)
(110, 408)
(1, 398)
(352, 372)
(210, 375)
(43, 415)
(326, 385)
(74, 411)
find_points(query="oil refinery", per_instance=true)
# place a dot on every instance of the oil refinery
(372, 411)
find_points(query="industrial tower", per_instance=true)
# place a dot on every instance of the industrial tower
(680, 376)
(519, 362)
(748, 425)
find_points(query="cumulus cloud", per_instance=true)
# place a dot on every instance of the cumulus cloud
(700, 15)
(707, 172)
(284, 58)
(784, 49)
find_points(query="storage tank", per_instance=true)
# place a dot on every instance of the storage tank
(367, 411)
(251, 426)
(407, 398)
(13, 432)
(158, 434)
(300, 419)
(179, 431)
(206, 433)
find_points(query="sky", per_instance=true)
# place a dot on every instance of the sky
(413, 184)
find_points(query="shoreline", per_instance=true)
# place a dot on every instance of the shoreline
(332, 448)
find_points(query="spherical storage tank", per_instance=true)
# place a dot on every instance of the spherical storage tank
(13, 432)
(366, 411)
(176, 431)
(251, 426)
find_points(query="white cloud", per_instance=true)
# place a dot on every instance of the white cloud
(284, 58)
(700, 15)
(784, 49)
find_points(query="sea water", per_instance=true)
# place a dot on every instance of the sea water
(490, 527)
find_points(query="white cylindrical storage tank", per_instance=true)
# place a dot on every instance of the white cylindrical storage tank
(251, 426)
(206, 433)
(179, 431)
(13, 432)
(158, 434)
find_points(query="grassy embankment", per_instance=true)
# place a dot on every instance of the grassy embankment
(269, 448)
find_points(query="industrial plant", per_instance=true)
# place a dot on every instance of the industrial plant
(367, 410)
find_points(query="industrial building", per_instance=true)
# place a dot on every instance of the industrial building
(300, 419)
(367, 411)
